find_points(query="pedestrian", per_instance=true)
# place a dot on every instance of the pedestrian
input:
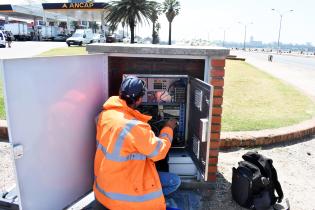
(9, 38)
(124, 168)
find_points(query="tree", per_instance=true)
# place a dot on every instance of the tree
(155, 37)
(130, 12)
(155, 29)
(171, 9)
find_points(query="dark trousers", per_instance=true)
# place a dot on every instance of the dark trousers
(98, 206)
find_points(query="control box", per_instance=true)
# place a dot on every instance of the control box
(189, 100)
(166, 98)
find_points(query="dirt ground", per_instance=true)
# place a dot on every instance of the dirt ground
(295, 163)
(6, 169)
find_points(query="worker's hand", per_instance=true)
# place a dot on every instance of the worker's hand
(172, 123)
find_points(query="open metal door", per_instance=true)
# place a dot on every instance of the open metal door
(199, 115)
(51, 105)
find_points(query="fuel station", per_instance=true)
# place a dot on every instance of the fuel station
(59, 17)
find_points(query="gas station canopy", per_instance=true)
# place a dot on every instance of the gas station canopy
(86, 11)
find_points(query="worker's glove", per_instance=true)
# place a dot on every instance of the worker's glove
(172, 123)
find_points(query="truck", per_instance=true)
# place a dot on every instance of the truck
(54, 151)
(48, 32)
(19, 31)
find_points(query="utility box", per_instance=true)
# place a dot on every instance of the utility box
(51, 104)
(189, 100)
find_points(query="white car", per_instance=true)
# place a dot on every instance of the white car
(81, 36)
(98, 38)
(2, 40)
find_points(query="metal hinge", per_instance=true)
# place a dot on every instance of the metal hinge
(18, 151)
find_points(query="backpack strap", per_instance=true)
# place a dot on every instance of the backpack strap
(276, 183)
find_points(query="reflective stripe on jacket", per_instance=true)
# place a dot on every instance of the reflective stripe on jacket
(124, 168)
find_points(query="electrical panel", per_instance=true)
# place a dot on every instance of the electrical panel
(166, 98)
(189, 100)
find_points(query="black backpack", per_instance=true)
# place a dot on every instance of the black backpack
(255, 181)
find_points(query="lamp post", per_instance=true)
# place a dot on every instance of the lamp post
(245, 27)
(224, 32)
(281, 15)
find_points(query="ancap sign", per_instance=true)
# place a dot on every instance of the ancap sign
(77, 5)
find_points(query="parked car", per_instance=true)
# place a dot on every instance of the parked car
(81, 36)
(98, 38)
(110, 38)
(61, 37)
(126, 40)
(2, 39)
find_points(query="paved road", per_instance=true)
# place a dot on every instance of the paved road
(28, 49)
(298, 71)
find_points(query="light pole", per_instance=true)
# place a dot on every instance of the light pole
(223, 37)
(224, 32)
(245, 27)
(281, 15)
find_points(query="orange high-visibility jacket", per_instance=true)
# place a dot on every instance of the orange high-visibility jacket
(124, 168)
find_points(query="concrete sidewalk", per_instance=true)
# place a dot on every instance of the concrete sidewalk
(28, 49)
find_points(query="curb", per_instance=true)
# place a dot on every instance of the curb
(241, 138)
(268, 136)
(4, 136)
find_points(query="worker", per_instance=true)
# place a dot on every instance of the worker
(125, 174)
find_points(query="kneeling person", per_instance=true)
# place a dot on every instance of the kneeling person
(124, 168)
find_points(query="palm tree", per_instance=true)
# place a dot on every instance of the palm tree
(155, 17)
(130, 12)
(171, 9)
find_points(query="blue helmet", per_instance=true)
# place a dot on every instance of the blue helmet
(132, 87)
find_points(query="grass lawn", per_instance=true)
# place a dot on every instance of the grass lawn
(254, 100)
(73, 50)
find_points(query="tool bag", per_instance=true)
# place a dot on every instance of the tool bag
(255, 181)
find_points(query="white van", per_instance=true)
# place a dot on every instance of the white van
(2, 39)
(81, 36)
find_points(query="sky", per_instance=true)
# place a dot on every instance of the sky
(208, 19)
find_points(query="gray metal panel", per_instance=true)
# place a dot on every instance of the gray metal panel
(199, 111)
(51, 105)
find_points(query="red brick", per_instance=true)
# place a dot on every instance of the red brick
(215, 128)
(215, 136)
(217, 101)
(214, 152)
(212, 177)
(213, 161)
(218, 62)
(218, 92)
(216, 119)
(214, 145)
(217, 72)
(216, 111)
(212, 169)
(217, 82)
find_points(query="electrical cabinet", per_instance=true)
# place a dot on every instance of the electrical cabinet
(188, 100)
(51, 104)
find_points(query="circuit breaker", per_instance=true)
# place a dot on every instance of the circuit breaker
(188, 100)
